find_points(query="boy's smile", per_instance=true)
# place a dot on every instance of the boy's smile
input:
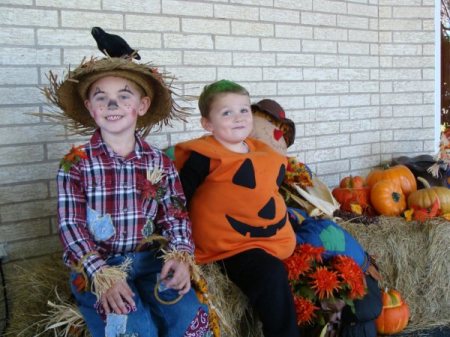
(115, 104)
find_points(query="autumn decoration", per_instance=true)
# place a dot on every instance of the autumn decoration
(75, 154)
(316, 282)
(352, 194)
(394, 315)
(397, 173)
(387, 197)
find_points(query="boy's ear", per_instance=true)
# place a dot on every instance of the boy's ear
(87, 104)
(206, 124)
(145, 104)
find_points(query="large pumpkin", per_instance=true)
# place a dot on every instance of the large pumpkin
(425, 197)
(394, 315)
(352, 182)
(387, 198)
(399, 173)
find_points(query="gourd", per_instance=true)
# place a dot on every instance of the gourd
(394, 315)
(425, 197)
(387, 197)
(348, 196)
(399, 173)
(352, 182)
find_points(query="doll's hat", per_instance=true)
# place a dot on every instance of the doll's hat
(273, 110)
(69, 95)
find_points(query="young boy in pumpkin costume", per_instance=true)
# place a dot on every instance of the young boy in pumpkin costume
(238, 217)
(120, 201)
(272, 127)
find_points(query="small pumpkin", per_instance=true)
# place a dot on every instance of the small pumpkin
(348, 196)
(425, 197)
(394, 315)
(387, 198)
(399, 173)
(352, 182)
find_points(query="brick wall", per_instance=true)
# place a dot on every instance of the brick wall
(356, 76)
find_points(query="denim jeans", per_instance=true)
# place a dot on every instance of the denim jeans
(152, 318)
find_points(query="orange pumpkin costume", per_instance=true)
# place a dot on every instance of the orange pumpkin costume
(237, 207)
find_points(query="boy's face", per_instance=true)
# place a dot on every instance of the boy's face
(115, 104)
(230, 118)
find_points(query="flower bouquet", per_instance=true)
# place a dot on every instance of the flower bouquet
(321, 288)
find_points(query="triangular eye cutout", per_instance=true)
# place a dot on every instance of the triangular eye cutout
(281, 175)
(268, 211)
(245, 175)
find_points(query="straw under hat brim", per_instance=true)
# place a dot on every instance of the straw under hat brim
(71, 93)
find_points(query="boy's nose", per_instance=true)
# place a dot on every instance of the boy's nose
(112, 104)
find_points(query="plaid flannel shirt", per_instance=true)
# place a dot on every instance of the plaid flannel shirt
(112, 186)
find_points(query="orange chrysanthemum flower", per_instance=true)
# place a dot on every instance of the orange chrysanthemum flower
(351, 274)
(296, 265)
(310, 253)
(75, 154)
(305, 310)
(324, 282)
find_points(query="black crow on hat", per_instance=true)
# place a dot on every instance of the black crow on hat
(113, 45)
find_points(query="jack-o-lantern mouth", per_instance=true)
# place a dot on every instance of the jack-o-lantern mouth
(256, 232)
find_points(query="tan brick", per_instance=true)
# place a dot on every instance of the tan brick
(413, 37)
(252, 28)
(254, 59)
(240, 73)
(286, 45)
(21, 154)
(29, 56)
(28, 210)
(139, 6)
(353, 151)
(399, 123)
(152, 23)
(296, 88)
(251, 2)
(402, 98)
(401, 147)
(330, 6)
(353, 48)
(26, 173)
(296, 59)
(17, 36)
(30, 134)
(188, 74)
(413, 12)
(279, 15)
(24, 230)
(235, 12)
(362, 10)
(364, 112)
(28, 17)
(265, 89)
(331, 87)
(212, 58)
(333, 167)
(400, 74)
(339, 140)
(159, 141)
(363, 35)
(357, 125)
(414, 134)
(322, 102)
(236, 43)
(78, 19)
(188, 41)
(18, 115)
(319, 46)
(364, 61)
(364, 137)
(346, 21)
(418, 86)
(17, 2)
(399, 24)
(79, 4)
(21, 250)
(318, 74)
(20, 95)
(413, 62)
(334, 34)
(282, 74)
(21, 193)
(364, 86)
(293, 31)
(366, 162)
(319, 129)
(17, 76)
(294, 4)
(211, 26)
(353, 74)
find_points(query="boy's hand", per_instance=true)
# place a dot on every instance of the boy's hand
(116, 298)
(180, 279)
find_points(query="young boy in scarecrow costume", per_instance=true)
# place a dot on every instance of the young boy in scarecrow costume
(121, 214)
(272, 127)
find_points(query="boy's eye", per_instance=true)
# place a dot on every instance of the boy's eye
(245, 110)
(99, 98)
(124, 96)
(226, 113)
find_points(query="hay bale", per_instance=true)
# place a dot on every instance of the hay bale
(43, 305)
(413, 258)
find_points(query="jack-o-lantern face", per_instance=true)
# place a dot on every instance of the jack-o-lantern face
(245, 177)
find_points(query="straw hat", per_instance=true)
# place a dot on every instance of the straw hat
(274, 111)
(70, 94)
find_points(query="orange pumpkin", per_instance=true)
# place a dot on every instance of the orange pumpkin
(399, 173)
(352, 182)
(394, 315)
(425, 197)
(387, 198)
(348, 196)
